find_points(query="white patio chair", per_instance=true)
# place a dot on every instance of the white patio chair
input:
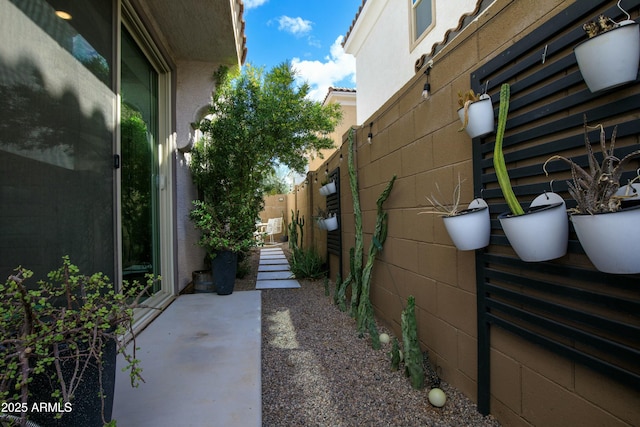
(274, 226)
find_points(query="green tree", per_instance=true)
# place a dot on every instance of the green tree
(258, 120)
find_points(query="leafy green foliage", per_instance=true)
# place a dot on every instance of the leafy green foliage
(67, 319)
(257, 120)
(307, 264)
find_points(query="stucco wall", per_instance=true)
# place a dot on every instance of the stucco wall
(382, 36)
(418, 140)
(193, 94)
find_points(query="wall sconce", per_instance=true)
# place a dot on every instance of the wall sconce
(426, 91)
(370, 136)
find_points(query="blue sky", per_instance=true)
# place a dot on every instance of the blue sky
(307, 33)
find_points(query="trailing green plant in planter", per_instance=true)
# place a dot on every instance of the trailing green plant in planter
(59, 333)
(542, 232)
(608, 231)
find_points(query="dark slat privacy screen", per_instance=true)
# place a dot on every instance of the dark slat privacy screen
(565, 305)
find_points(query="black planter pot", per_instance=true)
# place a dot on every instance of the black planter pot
(223, 268)
(86, 407)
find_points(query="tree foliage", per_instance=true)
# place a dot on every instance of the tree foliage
(257, 120)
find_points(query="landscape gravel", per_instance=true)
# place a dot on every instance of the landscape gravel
(318, 371)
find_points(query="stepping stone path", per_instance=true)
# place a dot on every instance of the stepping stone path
(274, 271)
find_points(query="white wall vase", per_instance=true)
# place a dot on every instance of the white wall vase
(481, 119)
(611, 240)
(542, 233)
(471, 228)
(328, 189)
(611, 58)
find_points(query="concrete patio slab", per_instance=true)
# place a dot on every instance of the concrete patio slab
(274, 275)
(277, 284)
(201, 363)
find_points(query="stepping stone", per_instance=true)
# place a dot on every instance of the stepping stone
(274, 275)
(273, 256)
(277, 267)
(274, 261)
(277, 284)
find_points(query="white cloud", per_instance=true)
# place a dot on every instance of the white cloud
(252, 4)
(296, 26)
(337, 66)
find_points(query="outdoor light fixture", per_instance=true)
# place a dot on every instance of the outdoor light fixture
(370, 136)
(63, 15)
(326, 171)
(340, 156)
(426, 92)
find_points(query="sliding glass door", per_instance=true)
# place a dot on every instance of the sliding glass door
(139, 132)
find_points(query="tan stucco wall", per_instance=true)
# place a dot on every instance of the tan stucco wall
(418, 140)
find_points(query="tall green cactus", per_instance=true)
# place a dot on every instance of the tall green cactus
(296, 223)
(414, 368)
(365, 309)
(498, 157)
(356, 272)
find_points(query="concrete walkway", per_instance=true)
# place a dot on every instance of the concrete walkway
(201, 360)
(274, 271)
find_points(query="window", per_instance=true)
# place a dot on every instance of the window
(421, 18)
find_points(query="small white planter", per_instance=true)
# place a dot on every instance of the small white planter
(541, 234)
(610, 59)
(327, 189)
(331, 223)
(471, 228)
(481, 119)
(611, 240)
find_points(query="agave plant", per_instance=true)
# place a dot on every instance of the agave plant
(595, 191)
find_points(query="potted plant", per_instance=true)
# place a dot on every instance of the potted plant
(542, 232)
(223, 225)
(469, 228)
(326, 221)
(58, 345)
(607, 230)
(610, 55)
(475, 113)
(328, 188)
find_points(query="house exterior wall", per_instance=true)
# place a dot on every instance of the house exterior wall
(418, 140)
(381, 35)
(71, 162)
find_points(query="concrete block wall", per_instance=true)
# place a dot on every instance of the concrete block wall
(418, 140)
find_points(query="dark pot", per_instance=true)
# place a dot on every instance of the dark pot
(202, 281)
(86, 406)
(223, 268)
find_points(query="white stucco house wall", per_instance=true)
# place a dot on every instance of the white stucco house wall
(386, 44)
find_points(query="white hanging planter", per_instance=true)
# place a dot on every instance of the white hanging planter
(471, 228)
(481, 119)
(611, 240)
(331, 223)
(542, 233)
(611, 58)
(328, 189)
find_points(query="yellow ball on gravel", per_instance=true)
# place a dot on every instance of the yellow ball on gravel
(437, 397)
(384, 338)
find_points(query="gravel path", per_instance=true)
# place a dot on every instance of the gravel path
(317, 371)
